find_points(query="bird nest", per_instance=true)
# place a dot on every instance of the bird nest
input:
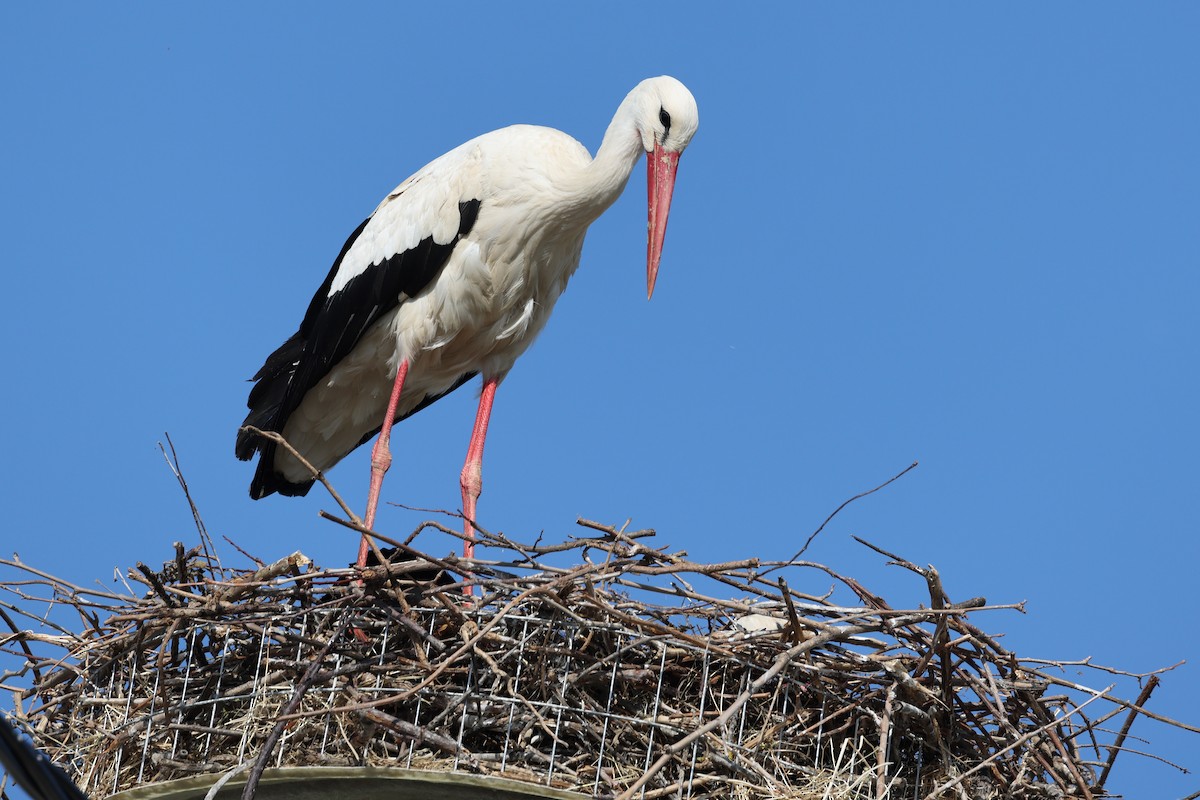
(601, 664)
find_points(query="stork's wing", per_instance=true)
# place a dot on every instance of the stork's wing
(393, 255)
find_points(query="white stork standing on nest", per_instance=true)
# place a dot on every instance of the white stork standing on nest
(453, 275)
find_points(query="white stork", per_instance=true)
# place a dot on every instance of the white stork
(453, 276)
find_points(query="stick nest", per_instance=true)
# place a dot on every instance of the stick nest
(600, 664)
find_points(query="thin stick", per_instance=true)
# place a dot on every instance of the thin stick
(1115, 748)
(316, 473)
(858, 496)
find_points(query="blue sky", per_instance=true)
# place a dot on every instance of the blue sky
(962, 234)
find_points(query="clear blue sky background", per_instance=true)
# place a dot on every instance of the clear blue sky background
(964, 234)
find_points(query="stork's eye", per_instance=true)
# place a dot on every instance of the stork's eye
(665, 119)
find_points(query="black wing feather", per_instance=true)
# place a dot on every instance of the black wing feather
(332, 327)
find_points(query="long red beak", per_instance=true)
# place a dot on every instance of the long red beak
(661, 166)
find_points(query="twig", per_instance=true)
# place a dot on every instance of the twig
(155, 583)
(881, 752)
(1141, 700)
(173, 464)
(278, 439)
(837, 510)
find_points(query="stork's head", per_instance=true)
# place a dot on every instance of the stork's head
(667, 120)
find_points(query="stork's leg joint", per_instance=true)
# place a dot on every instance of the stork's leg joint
(471, 480)
(381, 456)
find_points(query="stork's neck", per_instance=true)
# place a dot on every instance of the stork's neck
(602, 181)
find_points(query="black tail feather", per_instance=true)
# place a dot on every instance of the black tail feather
(266, 399)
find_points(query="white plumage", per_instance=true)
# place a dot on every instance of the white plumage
(454, 274)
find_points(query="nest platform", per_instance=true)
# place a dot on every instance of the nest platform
(600, 665)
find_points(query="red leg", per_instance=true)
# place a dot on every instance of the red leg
(471, 479)
(381, 459)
